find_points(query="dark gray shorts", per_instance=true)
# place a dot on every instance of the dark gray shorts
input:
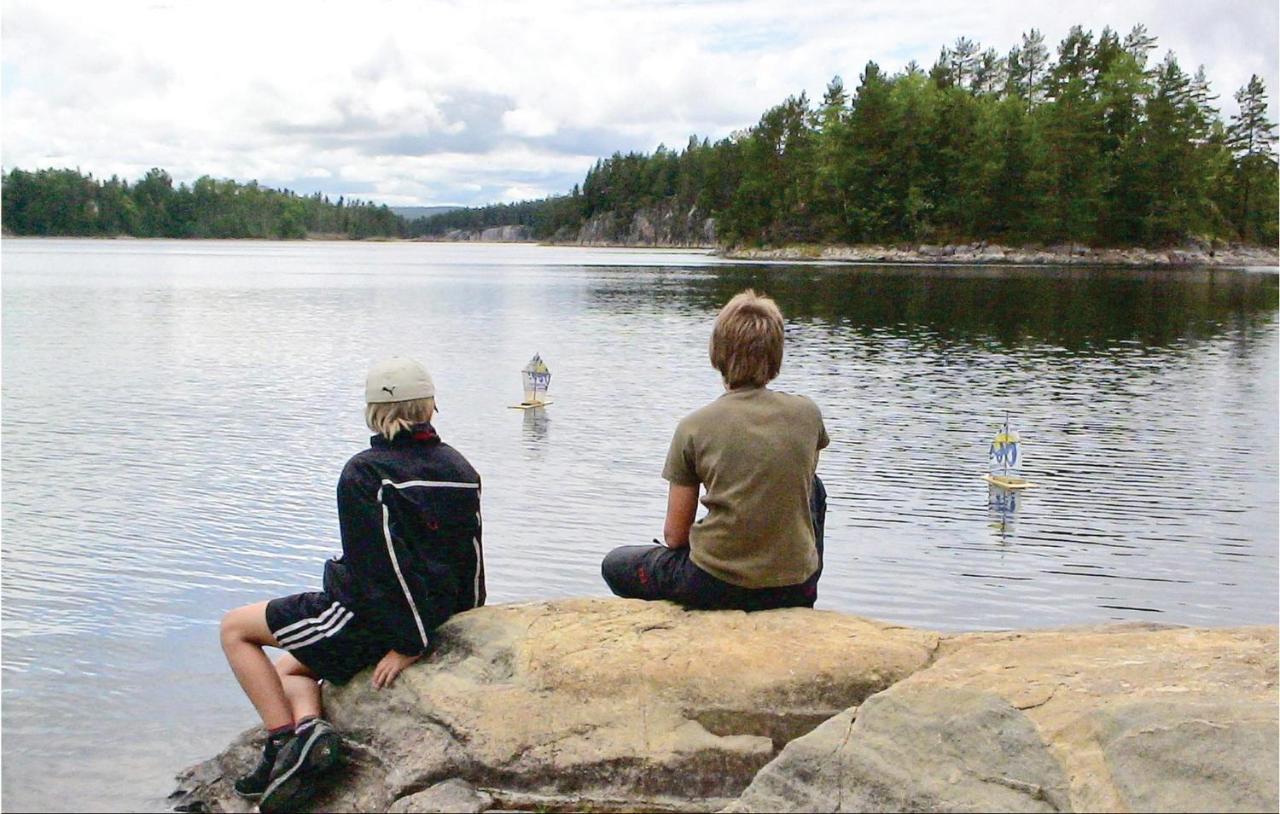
(658, 572)
(324, 635)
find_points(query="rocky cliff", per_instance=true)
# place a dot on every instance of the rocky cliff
(493, 234)
(610, 705)
(663, 226)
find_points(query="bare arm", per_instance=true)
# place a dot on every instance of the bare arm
(682, 505)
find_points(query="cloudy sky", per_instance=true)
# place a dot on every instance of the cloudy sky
(476, 102)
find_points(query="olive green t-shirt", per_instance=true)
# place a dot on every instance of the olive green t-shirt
(754, 451)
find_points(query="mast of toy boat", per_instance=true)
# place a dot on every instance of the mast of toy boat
(1006, 437)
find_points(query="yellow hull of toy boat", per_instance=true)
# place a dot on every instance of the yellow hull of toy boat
(1008, 482)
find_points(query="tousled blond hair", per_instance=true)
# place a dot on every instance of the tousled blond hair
(390, 418)
(746, 342)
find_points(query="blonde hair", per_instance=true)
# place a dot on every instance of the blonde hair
(746, 342)
(390, 418)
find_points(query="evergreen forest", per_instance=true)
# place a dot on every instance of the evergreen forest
(1093, 142)
(65, 202)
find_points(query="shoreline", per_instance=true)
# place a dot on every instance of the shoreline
(996, 255)
(971, 254)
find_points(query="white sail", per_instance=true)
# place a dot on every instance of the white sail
(536, 379)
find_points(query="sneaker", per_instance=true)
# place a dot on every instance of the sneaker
(255, 782)
(311, 752)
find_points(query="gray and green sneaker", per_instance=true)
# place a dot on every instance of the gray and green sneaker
(314, 749)
(255, 782)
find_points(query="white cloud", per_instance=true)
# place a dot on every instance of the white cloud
(526, 122)
(455, 102)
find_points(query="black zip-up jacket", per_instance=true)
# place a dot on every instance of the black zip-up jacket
(409, 510)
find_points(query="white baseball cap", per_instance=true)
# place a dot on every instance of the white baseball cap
(397, 379)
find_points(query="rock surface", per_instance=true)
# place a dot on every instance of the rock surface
(663, 226)
(1123, 718)
(493, 234)
(452, 796)
(620, 705)
(605, 704)
(985, 253)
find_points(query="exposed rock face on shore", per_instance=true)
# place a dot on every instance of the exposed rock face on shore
(494, 234)
(661, 226)
(624, 705)
(1197, 254)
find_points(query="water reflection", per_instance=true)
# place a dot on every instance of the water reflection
(1081, 311)
(1002, 507)
(536, 426)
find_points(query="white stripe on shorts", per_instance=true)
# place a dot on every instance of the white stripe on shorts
(339, 622)
(320, 624)
(314, 620)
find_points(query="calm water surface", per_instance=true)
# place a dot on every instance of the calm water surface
(175, 415)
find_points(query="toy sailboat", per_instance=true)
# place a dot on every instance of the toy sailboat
(537, 378)
(1002, 457)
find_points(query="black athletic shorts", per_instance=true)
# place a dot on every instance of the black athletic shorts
(324, 635)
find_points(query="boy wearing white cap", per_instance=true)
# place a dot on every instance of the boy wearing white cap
(409, 513)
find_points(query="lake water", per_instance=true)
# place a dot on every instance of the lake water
(175, 415)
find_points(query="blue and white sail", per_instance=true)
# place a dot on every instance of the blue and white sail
(1004, 453)
(1004, 456)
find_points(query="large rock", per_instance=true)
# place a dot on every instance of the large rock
(1124, 718)
(599, 703)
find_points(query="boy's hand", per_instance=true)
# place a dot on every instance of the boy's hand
(389, 667)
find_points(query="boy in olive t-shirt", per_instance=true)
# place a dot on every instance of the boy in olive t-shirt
(754, 452)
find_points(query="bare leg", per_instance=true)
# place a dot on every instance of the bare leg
(301, 687)
(244, 634)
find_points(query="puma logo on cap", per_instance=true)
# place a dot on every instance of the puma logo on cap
(397, 379)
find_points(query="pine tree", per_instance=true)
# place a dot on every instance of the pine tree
(964, 62)
(1138, 43)
(1070, 125)
(991, 74)
(1252, 137)
(832, 153)
(867, 170)
(1033, 57)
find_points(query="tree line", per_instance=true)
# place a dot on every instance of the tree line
(65, 202)
(1095, 144)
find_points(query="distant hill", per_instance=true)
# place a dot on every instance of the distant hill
(415, 212)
